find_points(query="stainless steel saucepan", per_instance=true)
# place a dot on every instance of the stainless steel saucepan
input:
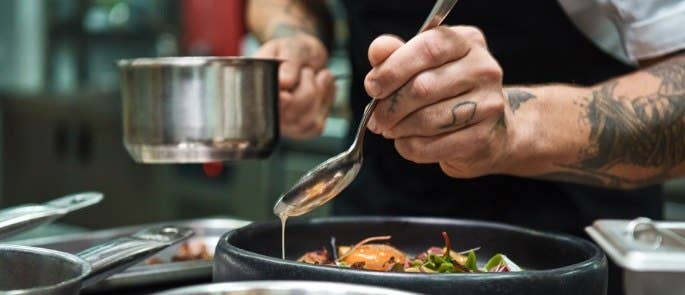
(31, 270)
(199, 109)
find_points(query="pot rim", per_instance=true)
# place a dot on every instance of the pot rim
(71, 258)
(242, 286)
(594, 253)
(193, 61)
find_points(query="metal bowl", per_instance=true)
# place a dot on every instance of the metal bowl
(282, 288)
(554, 264)
(199, 109)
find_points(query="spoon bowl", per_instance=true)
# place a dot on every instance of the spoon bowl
(327, 180)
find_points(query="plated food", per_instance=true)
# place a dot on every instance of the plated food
(372, 254)
(191, 250)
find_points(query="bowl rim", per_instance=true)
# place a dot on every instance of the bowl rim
(46, 254)
(596, 256)
(192, 61)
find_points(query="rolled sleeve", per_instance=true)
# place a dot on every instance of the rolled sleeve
(649, 28)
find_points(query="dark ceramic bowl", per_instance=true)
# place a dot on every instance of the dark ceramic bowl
(554, 264)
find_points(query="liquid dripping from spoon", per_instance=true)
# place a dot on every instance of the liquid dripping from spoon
(323, 187)
(328, 179)
(283, 216)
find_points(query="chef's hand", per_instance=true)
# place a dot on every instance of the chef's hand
(306, 87)
(442, 100)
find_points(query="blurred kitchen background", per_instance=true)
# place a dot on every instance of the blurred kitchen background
(61, 122)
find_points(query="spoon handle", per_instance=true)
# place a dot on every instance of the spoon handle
(358, 145)
(438, 14)
(440, 11)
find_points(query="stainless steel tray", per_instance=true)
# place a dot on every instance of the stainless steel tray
(652, 254)
(140, 276)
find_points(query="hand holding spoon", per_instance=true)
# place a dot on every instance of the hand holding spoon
(327, 180)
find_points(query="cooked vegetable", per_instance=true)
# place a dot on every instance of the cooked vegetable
(374, 256)
(370, 255)
(501, 263)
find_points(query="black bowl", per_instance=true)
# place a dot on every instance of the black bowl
(554, 264)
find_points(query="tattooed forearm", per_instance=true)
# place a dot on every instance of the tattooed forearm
(269, 19)
(281, 30)
(462, 113)
(517, 98)
(643, 132)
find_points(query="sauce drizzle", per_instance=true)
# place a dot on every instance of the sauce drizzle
(283, 216)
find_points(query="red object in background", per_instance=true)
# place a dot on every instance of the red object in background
(213, 169)
(213, 27)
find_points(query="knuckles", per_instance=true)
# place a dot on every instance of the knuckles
(488, 70)
(433, 47)
(421, 85)
(410, 149)
(302, 129)
(470, 34)
(494, 106)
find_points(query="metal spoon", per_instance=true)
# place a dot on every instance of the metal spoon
(327, 180)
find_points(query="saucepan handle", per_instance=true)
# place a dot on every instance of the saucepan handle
(116, 255)
(22, 218)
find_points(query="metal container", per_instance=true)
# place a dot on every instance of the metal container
(283, 288)
(199, 109)
(30, 270)
(652, 254)
(143, 275)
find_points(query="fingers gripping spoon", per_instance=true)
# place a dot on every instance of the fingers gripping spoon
(327, 180)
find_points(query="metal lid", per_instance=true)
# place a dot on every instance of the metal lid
(642, 244)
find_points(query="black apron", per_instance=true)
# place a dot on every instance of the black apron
(534, 42)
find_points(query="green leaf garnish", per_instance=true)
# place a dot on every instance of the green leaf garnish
(471, 262)
(446, 267)
(501, 260)
(494, 261)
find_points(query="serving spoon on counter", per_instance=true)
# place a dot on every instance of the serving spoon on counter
(329, 178)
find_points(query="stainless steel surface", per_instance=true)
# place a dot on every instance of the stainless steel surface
(30, 270)
(199, 109)
(282, 288)
(115, 256)
(651, 253)
(21, 218)
(643, 228)
(328, 179)
(438, 14)
(206, 230)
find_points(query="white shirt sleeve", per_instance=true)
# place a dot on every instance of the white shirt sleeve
(648, 28)
(630, 30)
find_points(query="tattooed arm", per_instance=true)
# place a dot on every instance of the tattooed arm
(297, 32)
(442, 101)
(270, 19)
(622, 133)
